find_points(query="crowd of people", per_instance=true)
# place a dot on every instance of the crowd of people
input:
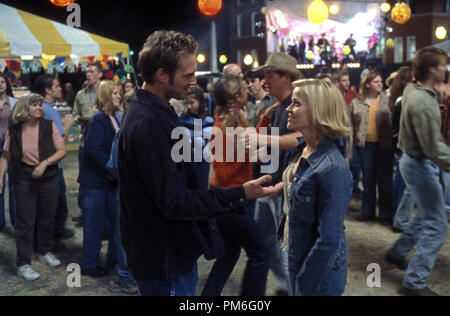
(160, 215)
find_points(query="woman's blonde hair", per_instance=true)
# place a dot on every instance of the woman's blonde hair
(225, 92)
(363, 90)
(327, 107)
(103, 101)
(22, 108)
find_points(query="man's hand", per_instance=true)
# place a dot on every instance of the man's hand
(254, 189)
(39, 171)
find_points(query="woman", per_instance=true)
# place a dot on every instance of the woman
(99, 198)
(7, 103)
(35, 148)
(372, 132)
(318, 190)
(238, 230)
(196, 110)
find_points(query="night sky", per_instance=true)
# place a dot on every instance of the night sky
(129, 21)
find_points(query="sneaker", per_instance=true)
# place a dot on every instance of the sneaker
(50, 260)
(95, 273)
(423, 292)
(27, 272)
(386, 222)
(400, 263)
(78, 219)
(397, 230)
(116, 286)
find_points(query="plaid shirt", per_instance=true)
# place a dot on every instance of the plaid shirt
(420, 126)
(445, 111)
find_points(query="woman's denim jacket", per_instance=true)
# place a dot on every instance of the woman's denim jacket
(320, 195)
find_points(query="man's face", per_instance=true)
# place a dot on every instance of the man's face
(93, 76)
(55, 91)
(441, 70)
(273, 82)
(254, 86)
(183, 78)
(344, 83)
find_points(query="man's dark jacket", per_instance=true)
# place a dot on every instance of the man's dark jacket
(166, 223)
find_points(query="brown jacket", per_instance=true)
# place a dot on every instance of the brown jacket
(360, 113)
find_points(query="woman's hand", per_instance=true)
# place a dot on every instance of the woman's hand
(39, 171)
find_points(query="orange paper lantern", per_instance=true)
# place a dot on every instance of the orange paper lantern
(210, 7)
(401, 13)
(62, 3)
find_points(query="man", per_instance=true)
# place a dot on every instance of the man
(49, 87)
(263, 99)
(350, 42)
(324, 48)
(279, 73)
(425, 160)
(167, 222)
(342, 81)
(69, 95)
(233, 70)
(83, 110)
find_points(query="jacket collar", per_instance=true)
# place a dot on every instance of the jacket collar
(153, 103)
(433, 93)
(318, 154)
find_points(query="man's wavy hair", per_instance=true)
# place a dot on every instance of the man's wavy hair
(163, 49)
(425, 59)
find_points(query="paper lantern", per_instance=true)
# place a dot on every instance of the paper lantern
(210, 7)
(346, 50)
(264, 10)
(401, 13)
(310, 55)
(334, 9)
(390, 43)
(385, 7)
(441, 32)
(62, 3)
(317, 12)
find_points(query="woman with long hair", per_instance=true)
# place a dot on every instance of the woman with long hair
(372, 132)
(238, 230)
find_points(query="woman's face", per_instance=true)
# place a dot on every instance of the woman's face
(298, 112)
(376, 85)
(192, 104)
(116, 98)
(128, 87)
(242, 98)
(2, 85)
(36, 111)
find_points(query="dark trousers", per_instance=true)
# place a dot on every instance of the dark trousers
(36, 202)
(240, 231)
(377, 167)
(61, 210)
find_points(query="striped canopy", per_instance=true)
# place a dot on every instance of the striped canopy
(22, 33)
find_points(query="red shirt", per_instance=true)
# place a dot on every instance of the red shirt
(350, 95)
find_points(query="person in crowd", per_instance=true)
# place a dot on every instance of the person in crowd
(35, 148)
(279, 73)
(127, 100)
(69, 95)
(403, 202)
(83, 111)
(99, 199)
(350, 42)
(233, 70)
(372, 133)
(342, 80)
(318, 191)
(301, 50)
(128, 86)
(237, 230)
(444, 89)
(7, 103)
(425, 158)
(49, 88)
(263, 99)
(167, 221)
(196, 110)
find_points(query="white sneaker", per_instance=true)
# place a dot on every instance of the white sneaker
(27, 272)
(50, 260)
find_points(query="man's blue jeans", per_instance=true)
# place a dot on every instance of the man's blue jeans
(12, 213)
(96, 204)
(428, 230)
(377, 167)
(403, 201)
(184, 285)
(355, 169)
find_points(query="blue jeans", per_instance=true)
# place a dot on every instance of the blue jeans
(268, 216)
(377, 167)
(428, 230)
(355, 169)
(240, 231)
(184, 285)
(96, 205)
(12, 213)
(61, 211)
(404, 210)
(399, 185)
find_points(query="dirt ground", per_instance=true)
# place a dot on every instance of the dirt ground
(368, 243)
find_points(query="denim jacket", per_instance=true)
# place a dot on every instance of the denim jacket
(320, 195)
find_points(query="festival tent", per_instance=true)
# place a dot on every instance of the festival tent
(26, 34)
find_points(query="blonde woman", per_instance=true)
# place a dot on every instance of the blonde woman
(318, 190)
(99, 198)
(35, 148)
(372, 133)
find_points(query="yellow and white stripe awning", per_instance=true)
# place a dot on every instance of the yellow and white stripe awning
(26, 34)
